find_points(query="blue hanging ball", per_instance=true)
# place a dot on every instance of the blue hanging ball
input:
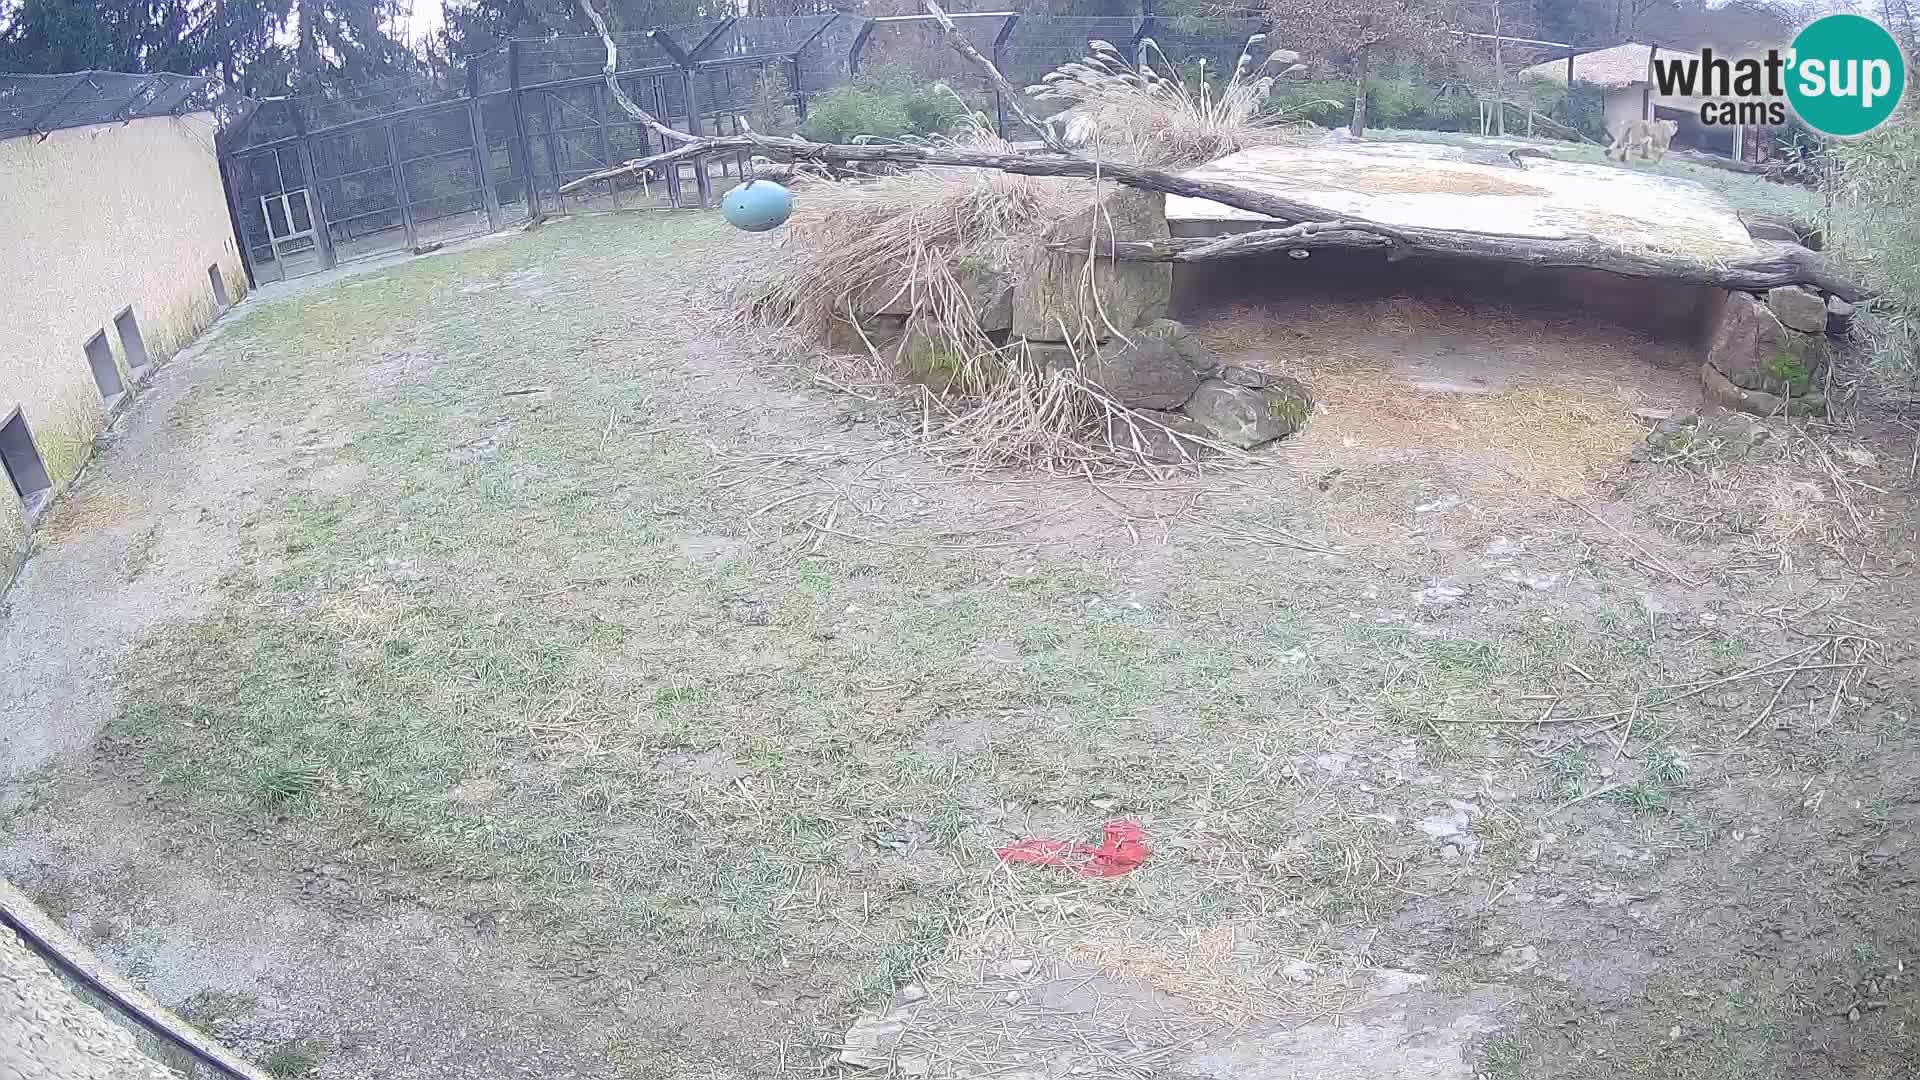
(757, 205)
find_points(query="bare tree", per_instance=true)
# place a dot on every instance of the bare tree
(1364, 31)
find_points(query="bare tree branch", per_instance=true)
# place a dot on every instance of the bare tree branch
(1307, 226)
(1007, 93)
(611, 68)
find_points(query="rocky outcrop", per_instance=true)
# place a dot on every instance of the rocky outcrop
(1769, 366)
(1168, 377)
(1721, 391)
(1059, 299)
(1798, 308)
(1246, 416)
(1165, 437)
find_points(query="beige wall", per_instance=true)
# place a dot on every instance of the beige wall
(93, 219)
(1622, 104)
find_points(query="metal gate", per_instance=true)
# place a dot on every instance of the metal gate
(405, 181)
(270, 193)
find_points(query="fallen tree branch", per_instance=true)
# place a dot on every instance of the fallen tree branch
(1007, 93)
(1780, 264)
(1784, 264)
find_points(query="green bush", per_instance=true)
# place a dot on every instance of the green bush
(884, 103)
(1411, 104)
(844, 112)
(1392, 102)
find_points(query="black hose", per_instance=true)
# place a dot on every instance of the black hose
(71, 970)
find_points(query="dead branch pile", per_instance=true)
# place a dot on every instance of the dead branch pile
(1781, 499)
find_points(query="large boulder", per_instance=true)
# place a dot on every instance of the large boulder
(1798, 308)
(1755, 352)
(1059, 300)
(1147, 373)
(1185, 342)
(1244, 416)
(883, 332)
(1157, 436)
(1720, 390)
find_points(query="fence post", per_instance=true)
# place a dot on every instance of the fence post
(482, 153)
(523, 160)
(703, 183)
(400, 188)
(859, 46)
(999, 62)
(1140, 33)
(799, 75)
(687, 65)
(603, 100)
(551, 123)
(795, 94)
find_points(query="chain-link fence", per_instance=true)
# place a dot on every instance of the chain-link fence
(321, 179)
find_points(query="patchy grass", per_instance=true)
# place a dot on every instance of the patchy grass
(293, 1060)
(691, 682)
(208, 1008)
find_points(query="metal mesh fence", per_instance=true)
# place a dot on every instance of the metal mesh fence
(1037, 46)
(37, 104)
(324, 178)
(909, 50)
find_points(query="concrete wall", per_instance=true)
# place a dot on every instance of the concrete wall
(1621, 105)
(93, 219)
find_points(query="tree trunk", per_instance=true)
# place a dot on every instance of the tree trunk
(306, 60)
(1499, 78)
(1777, 265)
(1359, 123)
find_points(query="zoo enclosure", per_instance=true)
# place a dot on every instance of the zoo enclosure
(321, 179)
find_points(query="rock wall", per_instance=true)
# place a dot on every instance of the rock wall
(1770, 356)
(1061, 309)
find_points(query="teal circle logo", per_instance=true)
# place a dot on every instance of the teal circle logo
(1846, 75)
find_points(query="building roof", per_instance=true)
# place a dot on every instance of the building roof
(1622, 65)
(36, 104)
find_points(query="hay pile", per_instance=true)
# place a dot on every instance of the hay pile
(926, 233)
(1152, 115)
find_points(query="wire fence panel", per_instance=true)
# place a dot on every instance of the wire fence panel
(1184, 43)
(407, 163)
(274, 213)
(560, 59)
(753, 36)
(822, 62)
(359, 191)
(1037, 46)
(912, 50)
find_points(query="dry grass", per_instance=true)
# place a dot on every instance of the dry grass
(1154, 116)
(931, 235)
(1562, 426)
(1783, 496)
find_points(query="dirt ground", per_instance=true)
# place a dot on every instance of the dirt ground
(495, 665)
